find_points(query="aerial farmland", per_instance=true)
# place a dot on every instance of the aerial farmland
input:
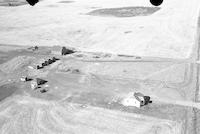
(99, 67)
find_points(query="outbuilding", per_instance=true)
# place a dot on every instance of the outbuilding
(25, 78)
(37, 82)
(40, 81)
(66, 51)
(50, 61)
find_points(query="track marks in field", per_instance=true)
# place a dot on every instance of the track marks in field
(61, 117)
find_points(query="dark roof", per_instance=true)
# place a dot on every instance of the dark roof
(40, 81)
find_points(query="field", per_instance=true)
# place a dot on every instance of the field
(117, 27)
(119, 47)
(90, 99)
(12, 2)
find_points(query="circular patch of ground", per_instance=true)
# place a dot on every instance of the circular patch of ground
(67, 1)
(125, 11)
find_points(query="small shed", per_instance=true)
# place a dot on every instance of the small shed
(23, 78)
(37, 82)
(46, 63)
(54, 59)
(40, 81)
(50, 61)
(39, 67)
(66, 51)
